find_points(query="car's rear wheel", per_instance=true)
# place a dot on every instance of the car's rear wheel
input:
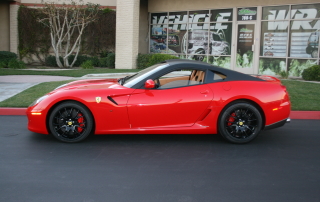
(240, 123)
(70, 122)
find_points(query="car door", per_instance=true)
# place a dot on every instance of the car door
(179, 106)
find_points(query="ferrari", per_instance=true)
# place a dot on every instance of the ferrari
(173, 97)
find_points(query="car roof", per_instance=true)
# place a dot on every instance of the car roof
(231, 74)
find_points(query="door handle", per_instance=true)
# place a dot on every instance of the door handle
(204, 92)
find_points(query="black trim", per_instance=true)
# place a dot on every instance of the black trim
(197, 65)
(112, 100)
(275, 125)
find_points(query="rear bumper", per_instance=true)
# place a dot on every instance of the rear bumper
(278, 124)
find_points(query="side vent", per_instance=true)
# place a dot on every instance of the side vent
(112, 100)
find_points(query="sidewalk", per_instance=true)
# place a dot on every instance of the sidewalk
(14, 84)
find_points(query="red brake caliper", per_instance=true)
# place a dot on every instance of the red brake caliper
(80, 121)
(231, 119)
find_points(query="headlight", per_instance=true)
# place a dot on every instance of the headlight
(38, 100)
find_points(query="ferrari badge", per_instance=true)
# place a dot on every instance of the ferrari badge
(98, 99)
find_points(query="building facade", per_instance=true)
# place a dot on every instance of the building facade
(254, 37)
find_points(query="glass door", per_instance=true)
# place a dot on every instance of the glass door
(245, 47)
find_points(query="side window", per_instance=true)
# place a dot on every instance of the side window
(218, 76)
(180, 78)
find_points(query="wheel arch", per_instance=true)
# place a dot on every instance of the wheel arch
(69, 100)
(255, 104)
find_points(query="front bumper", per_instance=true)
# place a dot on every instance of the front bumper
(37, 121)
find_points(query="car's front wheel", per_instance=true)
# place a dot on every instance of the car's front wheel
(240, 123)
(70, 122)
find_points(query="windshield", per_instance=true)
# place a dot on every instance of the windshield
(143, 74)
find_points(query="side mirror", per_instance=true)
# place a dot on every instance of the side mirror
(149, 84)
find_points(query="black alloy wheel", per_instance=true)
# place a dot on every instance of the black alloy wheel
(240, 123)
(70, 122)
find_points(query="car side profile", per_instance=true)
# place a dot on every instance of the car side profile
(172, 97)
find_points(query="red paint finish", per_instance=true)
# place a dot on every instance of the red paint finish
(177, 107)
(192, 109)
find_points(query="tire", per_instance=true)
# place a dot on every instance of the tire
(70, 122)
(240, 123)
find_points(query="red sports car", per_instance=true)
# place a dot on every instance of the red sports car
(173, 97)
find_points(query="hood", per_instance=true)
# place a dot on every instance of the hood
(91, 84)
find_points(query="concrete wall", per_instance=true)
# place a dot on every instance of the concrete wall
(4, 27)
(14, 42)
(144, 27)
(127, 33)
(184, 5)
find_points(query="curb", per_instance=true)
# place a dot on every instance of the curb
(314, 115)
(13, 111)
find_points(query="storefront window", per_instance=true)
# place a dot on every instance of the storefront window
(291, 32)
(158, 33)
(272, 66)
(198, 45)
(275, 13)
(274, 39)
(221, 61)
(199, 16)
(224, 15)
(190, 35)
(304, 39)
(305, 11)
(296, 66)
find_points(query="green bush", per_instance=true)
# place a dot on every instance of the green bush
(5, 57)
(103, 62)
(95, 61)
(51, 61)
(143, 60)
(80, 59)
(16, 64)
(104, 54)
(156, 58)
(111, 59)
(147, 60)
(312, 73)
(87, 64)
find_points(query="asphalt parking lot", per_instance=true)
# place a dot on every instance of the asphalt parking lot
(280, 165)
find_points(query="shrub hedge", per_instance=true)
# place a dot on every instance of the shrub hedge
(312, 73)
(111, 60)
(87, 64)
(6, 57)
(147, 60)
(16, 64)
(108, 61)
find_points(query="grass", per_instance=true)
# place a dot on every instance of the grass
(25, 98)
(71, 72)
(304, 96)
